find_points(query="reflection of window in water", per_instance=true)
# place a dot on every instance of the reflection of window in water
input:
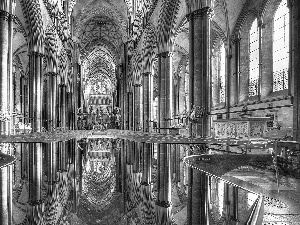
(221, 184)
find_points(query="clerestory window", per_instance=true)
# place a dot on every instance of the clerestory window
(254, 59)
(281, 47)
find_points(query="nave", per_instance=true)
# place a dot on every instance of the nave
(149, 112)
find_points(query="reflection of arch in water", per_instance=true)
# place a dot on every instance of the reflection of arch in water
(57, 204)
(99, 183)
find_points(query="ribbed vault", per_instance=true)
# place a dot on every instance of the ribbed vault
(100, 29)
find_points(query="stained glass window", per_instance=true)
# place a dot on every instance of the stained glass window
(254, 59)
(281, 48)
(222, 73)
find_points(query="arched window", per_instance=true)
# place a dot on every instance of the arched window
(222, 73)
(254, 59)
(281, 48)
(218, 74)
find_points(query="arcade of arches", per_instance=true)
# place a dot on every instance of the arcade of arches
(149, 112)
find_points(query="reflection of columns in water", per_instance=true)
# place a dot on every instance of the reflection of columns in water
(118, 170)
(51, 163)
(35, 159)
(6, 179)
(62, 156)
(24, 161)
(137, 157)
(176, 163)
(235, 214)
(129, 152)
(199, 200)
(147, 164)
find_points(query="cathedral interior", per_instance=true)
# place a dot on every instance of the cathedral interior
(162, 112)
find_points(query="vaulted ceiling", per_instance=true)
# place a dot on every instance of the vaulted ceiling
(100, 27)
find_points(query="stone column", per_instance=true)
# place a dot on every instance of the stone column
(63, 94)
(259, 82)
(181, 98)
(294, 7)
(165, 89)
(235, 93)
(136, 126)
(200, 21)
(35, 90)
(228, 79)
(199, 24)
(137, 104)
(5, 78)
(146, 101)
(124, 99)
(130, 111)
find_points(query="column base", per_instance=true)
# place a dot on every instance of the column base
(163, 213)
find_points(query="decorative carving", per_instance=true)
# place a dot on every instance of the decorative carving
(36, 54)
(205, 11)
(6, 15)
(198, 149)
(197, 113)
(164, 204)
(147, 74)
(5, 116)
(165, 54)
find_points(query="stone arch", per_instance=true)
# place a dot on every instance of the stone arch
(51, 48)
(244, 54)
(33, 17)
(166, 25)
(149, 49)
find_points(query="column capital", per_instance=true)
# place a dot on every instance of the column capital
(35, 203)
(138, 85)
(165, 54)
(165, 204)
(205, 11)
(146, 74)
(34, 53)
(190, 16)
(261, 23)
(236, 40)
(51, 74)
(6, 15)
